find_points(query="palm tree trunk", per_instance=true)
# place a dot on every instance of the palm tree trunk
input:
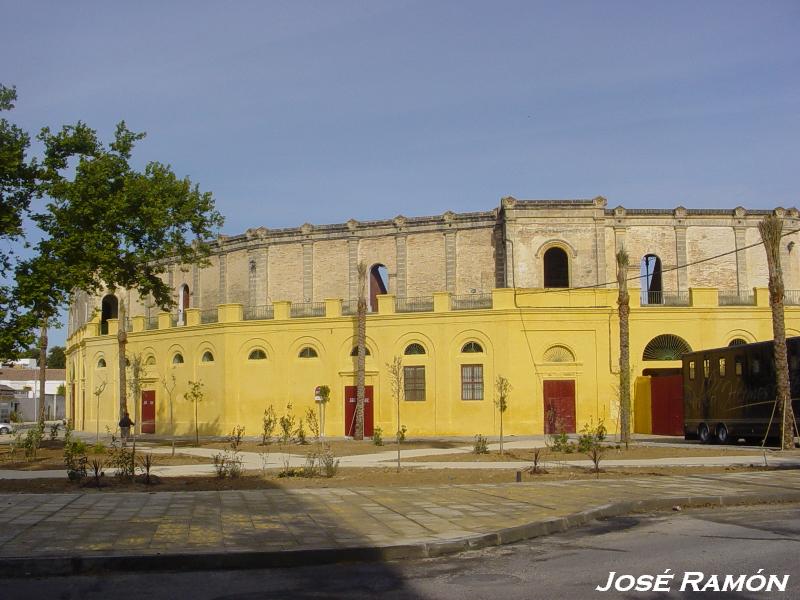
(623, 302)
(122, 341)
(771, 229)
(42, 369)
(361, 316)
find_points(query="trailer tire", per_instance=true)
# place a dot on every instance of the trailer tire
(703, 434)
(723, 437)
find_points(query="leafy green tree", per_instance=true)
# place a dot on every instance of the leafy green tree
(41, 290)
(57, 358)
(18, 177)
(114, 227)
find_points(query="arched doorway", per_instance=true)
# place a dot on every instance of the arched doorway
(556, 268)
(183, 303)
(109, 309)
(651, 282)
(378, 284)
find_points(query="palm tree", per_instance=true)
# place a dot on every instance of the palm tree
(122, 342)
(623, 301)
(771, 229)
(361, 341)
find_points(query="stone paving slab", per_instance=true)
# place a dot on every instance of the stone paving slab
(405, 521)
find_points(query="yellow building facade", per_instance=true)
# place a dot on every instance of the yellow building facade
(453, 350)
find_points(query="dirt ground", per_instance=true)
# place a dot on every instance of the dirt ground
(348, 477)
(634, 452)
(339, 447)
(52, 457)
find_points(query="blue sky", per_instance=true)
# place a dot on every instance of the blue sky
(322, 111)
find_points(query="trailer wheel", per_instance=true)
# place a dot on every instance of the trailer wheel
(722, 434)
(703, 434)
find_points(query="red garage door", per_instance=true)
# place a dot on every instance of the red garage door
(559, 406)
(350, 402)
(666, 395)
(149, 411)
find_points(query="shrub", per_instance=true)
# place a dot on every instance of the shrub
(560, 442)
(122, 459)
(235, 438)
(98, 448)
(14, 417)
(287, 424)
(377, 436)
(538, 457)
(480, 445)
(74, 459)
(97, 471)
(300, 433)
(311, 468)
(268, 424)
(591, 434)
(401, 434)
(54, 428)
(146, 462)
(32, 440)
(313, 422)
(590, 442)
(330, 464)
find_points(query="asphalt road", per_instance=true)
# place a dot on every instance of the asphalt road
(736, 542)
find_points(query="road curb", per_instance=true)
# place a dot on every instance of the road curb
(51, 566)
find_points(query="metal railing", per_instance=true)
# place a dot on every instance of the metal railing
(791, 297)
(665, 298)
(259, 313)
(307, 309)
(151, 323)
(419, 304)
(735, 298)
(349, 307)
(471, 301)
(209, 316)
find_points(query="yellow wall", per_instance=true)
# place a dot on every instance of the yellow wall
(515, 335)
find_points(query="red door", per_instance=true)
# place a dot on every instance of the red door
(559, 406)
(149, 411)
(666, 395)
(350, 410)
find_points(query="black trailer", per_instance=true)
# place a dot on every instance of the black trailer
(729, 393)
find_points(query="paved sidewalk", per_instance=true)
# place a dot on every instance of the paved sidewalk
(77, 532)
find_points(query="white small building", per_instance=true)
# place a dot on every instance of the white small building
(25, 385)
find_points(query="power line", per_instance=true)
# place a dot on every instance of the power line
(637, 277)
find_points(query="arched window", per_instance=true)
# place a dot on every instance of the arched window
(414, 348)
(666, 347)
(471, 347)
(257, 354)
(556, 268)
(651, 283)
(207, 357)
(737, 342)
(183, 303)
(559, 354)
(307, 352)
(177, 359)
(378, 284)
(109, 309)
(354, 351)
(101, 364)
